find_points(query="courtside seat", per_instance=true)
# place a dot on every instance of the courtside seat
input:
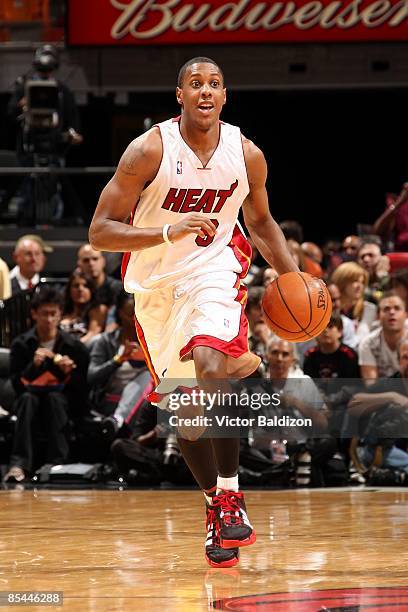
(398, 261)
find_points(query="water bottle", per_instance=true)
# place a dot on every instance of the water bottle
(278, 451)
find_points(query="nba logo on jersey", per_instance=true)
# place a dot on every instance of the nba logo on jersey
(179, 167)
(226, 323)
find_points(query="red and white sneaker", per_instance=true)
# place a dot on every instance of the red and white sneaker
(235, 528)
(216, 555)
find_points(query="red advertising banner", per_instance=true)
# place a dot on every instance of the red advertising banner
(177, 22)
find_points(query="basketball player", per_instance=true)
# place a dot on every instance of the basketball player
(183, 183)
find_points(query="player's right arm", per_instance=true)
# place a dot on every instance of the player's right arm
(109, 229)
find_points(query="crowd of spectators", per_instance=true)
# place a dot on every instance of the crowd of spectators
(82, 357)
(362, 347)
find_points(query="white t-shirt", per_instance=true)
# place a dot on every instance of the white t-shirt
(302, 387)
(374, 351)
(362, 327)
(349, 334)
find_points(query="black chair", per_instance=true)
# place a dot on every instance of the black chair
(7, 395)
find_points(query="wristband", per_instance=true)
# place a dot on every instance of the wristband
(166, 238)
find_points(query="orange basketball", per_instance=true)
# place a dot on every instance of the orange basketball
(297, 306)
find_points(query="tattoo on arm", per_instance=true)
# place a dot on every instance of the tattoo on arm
(130, 160)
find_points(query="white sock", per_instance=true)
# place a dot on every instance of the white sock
(228, 484)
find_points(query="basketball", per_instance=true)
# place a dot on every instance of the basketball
(297, 306)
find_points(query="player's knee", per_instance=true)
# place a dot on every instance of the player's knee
(208, 371)
(209, 363)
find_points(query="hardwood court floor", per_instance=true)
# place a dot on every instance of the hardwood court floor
(143, 550)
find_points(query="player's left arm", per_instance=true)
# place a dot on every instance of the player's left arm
(264, 230)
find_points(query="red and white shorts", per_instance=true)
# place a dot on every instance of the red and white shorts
(206, 310)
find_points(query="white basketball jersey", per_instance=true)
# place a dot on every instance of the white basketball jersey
(181, 186)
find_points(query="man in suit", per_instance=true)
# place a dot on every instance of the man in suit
(30, 257)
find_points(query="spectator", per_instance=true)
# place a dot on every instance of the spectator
(297, 253)
(5, 284)
(48, 372)
(378, 352)
(256, 324)
(260, 338)
(297, 389)
(83, 318)
(292, 230)
(390, 392)
(352, 279)
(117, 370)
(255, 271)
(349, 334)
(331, 256)
(92, 263)
(253, 309)
(299, 398)
(399, 284)
(377, 266)
(269, 275)
(144, 450)
(313, 251)
(350, 247)
(30, 259)
(393, 223)
(349, 337)
(305, 263)
(331, 358)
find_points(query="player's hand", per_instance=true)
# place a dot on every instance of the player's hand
(193, 223)
(41, 354)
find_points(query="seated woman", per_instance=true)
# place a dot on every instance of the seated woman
(351, 280)
(117, 373)
(83, 318)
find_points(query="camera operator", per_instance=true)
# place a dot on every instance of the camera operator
(47, 121)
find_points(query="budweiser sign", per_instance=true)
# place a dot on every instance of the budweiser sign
(142, 22)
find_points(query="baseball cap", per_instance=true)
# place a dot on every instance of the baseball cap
(45, 247)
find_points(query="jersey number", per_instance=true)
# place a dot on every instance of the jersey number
(203, 242)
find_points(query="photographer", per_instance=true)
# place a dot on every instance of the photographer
(47, 121)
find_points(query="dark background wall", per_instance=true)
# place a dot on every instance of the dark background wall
(332, 154)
